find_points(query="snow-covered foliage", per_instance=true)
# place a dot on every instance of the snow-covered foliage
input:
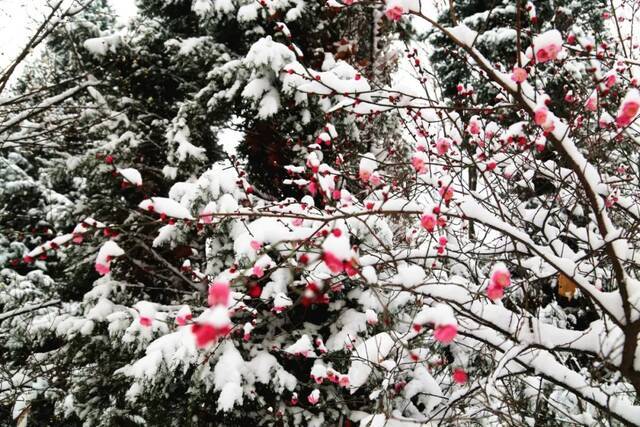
(425, 256)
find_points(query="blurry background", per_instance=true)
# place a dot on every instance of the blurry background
(20, 18)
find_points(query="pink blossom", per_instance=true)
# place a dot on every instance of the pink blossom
(495, 291)
(568, 97)
(418, 162)
(297, 222)
(314, 397)
(102, 268)
(204, 334)
(428, 222)
(394, 13)
(459, 376)
(623, 121)
(145, 321)
(591, 104)
(542, 55)
(257, 271)
(255, 245)
(629, 108)
(548, 53)
(445, 333)
(77, 238)
(442, 240)
(610, 80)
(333, 262)
(519, 74)
(375, 180)
(547, 46)
(344, 381)
(541, 115)
(313, 188)
(446, 192)
(474, 126)
(442, 146)
(182, 320)
(219, 294)
(501, 277)
(364, 175)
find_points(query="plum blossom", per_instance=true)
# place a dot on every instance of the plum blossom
(495, 292)
(445, 333)
(219, 293)
(394, 13)
(107, 252)
(544, 118)
(547, 46)
(591, 103)
(629, 108)
(519, 74)
(314, 397)
(211, 326)
(446, 192)
(474, 125)
(428, 221)
(367, 167)
(443, 145)
(184, 315)
(610, 80)
(419, 162)
(459, 376)
(147, 312)
(500, 278)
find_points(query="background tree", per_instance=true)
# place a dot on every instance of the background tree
(364, 298)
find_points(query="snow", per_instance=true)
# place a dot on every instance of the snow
(268, 53)
(463, 33)
(166, 234)
(100, 46)
(424, 386)
(131, 176)
(227, 376)
(551, 39)
(440, 314)
(367, 354)
(201, 7)
(284, 260)
(188, 45)
(109, 249)
(302, 347)
(166, 206)
(185, 148)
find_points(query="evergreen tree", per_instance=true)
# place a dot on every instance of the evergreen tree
(165, 88)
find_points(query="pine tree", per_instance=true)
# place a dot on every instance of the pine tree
(165, 90)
